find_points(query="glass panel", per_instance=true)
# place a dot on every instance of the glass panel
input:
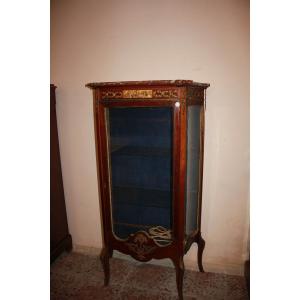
(193, 156)
(140, 149)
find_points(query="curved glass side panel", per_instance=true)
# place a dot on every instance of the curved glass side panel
(192, 180)
(140, 149)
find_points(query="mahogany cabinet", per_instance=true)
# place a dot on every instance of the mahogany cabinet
(150, 145)
(60, 239)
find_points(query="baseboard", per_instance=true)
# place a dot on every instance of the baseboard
(225, 268)
(86, 250)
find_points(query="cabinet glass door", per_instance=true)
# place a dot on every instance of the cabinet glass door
(140, 151)
(193, 169)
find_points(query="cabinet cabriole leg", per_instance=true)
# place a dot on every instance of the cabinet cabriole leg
(179, 267)
(201, 245)
(104, 257)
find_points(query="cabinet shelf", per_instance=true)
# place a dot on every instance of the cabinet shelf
(140, 151)
(142, 197)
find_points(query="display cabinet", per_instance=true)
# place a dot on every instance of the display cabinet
(150, 145)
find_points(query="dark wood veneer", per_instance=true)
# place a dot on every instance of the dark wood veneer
(140, 245)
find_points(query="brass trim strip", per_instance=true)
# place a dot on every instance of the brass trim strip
(141, 94)
(137, 93)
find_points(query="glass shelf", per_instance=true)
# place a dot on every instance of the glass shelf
(140, 151)
(141, 196)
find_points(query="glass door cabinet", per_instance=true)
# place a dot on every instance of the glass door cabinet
(149, 141)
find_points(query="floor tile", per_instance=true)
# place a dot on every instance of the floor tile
(151, 277)
(76, 276)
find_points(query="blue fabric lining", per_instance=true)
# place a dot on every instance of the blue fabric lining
(141, 166)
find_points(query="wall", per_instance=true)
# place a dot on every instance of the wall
(206, 41)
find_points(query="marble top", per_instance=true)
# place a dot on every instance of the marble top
(177, 82)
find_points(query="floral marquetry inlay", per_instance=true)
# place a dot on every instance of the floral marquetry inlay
(141, 245)
(141, 94)
(137, 93)
(112, 94)
(165, 94)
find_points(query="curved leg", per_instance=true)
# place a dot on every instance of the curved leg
(201, 245)
(179, 266)
(104, 257)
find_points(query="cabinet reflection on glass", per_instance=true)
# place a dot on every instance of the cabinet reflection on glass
(140, 149)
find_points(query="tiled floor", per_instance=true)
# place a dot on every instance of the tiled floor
(78, 276)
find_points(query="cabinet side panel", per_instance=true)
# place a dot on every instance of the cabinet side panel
(193, 174)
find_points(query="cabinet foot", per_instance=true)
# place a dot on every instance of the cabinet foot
(179, 266)
(104, 257)
(201, 245)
